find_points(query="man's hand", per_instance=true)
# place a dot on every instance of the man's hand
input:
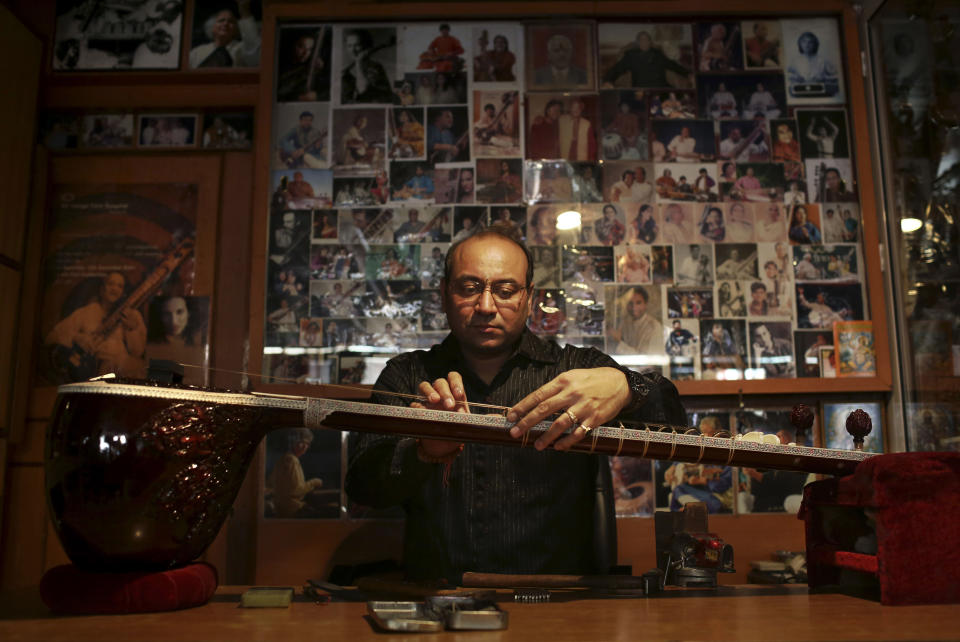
(592, 395)
(443, 394)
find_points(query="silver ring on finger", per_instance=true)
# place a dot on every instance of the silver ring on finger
(572, 416)
(586, 429)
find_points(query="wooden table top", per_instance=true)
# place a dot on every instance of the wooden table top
(735, 613)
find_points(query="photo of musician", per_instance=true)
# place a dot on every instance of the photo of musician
(333, 298)
(468, 221)
(303, 72)
(739, 223)
(673, 104)
(711, 227)
(406, 133)
(677, 223)
(494, 64)
(610, 228)
(559, 56)
(585, 182)
(804, 220)
(812, 60)
(762, 103)
(723, 350)
(109, 130)
(623, 133)
(404, 93)
(651, 55)
(825, 133)
(754, 147)
(167, 130)
(448, 134)
(90, 341)
(795, 194)
(311, 333)
(443, 54)
(542, 137)
(369, 56)
(586, 265)
(633, 264)
(643, 228)
(499, 180)
(510, 218)
(361, 191)
(365, 227)
(289, 494)
(687, 140)
(737, 261)
(721, 47)
(730, 299)
(771, 223)
(577, 137)
(756, 182)
(324, 226)
(762, 49)
(786, 147)
(689, 304)
(682, 349)
(721, 102)
(694, 264)
(634, 325)
(289, 237)
(305, 143)
(411, 180)
(829, 181)
(820, 305)
(685, 483)
(496, 126)
(228, 37)
(370, 482)
(629, 183)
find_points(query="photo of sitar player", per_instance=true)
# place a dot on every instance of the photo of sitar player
(496, 124)
(303, 63)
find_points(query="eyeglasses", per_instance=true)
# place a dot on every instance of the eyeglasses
(505, 293)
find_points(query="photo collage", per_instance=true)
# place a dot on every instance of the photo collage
(687, 189)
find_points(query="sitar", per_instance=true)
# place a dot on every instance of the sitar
(142, 475)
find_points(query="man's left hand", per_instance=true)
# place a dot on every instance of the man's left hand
(592, 396)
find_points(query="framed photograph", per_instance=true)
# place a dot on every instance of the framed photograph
(930, 426)
(835, 426)
(831, 181)
(803, 227)
(497, 53)
(231, 130)
(755, 183)
(808, 344)
(454, 185)
(771, 350)
(646, 55)
(812, 61)
(719, 46)
(820, 305)
(856, 353)
(167, 130)
(58, 130)
(678, 484)
(225, 34)
(737, 261)
(694, 262)
(407, 133)
(633, 324)
(499, 180)
(108, 130)
(745, 96)
(302, 189)
(302, 135)
(623, 119)
(690, 303)
(682, 345)
(633, 264)
(560, 56)
(723, 348)
(448, 135)
(744, 141)
(369, 53)
(411, 181)
(360, 138)
(303, 63)
(135, 35)
(826, 263)
(568, 128)
(762, 44)
(682, 141)
(824, 133)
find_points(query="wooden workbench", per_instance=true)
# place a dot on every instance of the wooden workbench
(737, 613)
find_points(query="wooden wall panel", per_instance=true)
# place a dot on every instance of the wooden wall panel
(24, 528)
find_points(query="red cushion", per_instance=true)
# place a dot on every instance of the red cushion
(69, 590)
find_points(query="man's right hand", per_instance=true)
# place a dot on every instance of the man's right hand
(443, 394)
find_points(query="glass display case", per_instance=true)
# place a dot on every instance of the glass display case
(915, 54)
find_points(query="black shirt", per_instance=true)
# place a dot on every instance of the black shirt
(506, 509)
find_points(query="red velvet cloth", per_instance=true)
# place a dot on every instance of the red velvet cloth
(917, 501)
(69, 590)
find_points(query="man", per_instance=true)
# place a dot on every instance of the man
(495, 65)
(786, 147)
(646, 64)
(95, 350)
(299, 188)
(630, 190)
(759, 304)
(748, 185)
(627, 125)
(286, 234)
(778, 290)
(806, 270)
(302, 145)
(443, 53)
(723, 104)
(487, 126)
(442, 144)
(637, 332)
(824, 136)
(834, 189)
(680, 340)
(468, 230)
(364, 80)
(307, 79)
(712, 485)
(719, 349)
(687, 272)
(666, 184)
(234, 40)
(760, 51)
(714, 54)
(736, 148)
(560, 72)
(419, 186)
(762, 104)
(683, 146)
(543, 141)
(732, 268)
(409, 231)
(703, 185)
(577, 139)
(477, 507)
(286, 482)
(337, 303)
(774, 355)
